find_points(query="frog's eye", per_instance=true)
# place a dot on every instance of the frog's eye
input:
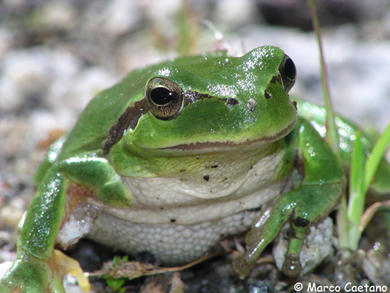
(164, 97)
(287, 72)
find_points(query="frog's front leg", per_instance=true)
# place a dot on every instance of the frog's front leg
(322, 184)
(38, 267)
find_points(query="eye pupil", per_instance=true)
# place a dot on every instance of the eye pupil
(161, 96)
(289, 68)
(287, 73)
(164, 98)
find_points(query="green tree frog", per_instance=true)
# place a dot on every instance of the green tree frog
(177, 156)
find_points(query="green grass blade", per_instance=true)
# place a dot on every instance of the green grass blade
(342, 224)
(357, 165)
(360, 178)
(331, 129)
(357, 193)
(376, 156)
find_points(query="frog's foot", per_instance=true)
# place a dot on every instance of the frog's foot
(257, 239)
(29, 274)
(62, 264)
(317, 245)
(300, 209)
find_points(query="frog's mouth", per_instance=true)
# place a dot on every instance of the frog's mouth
(205, 147)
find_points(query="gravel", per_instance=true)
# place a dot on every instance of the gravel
(56, 55)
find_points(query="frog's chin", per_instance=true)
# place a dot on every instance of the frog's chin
(210, 147)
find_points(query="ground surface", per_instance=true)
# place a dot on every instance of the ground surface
(56, 55)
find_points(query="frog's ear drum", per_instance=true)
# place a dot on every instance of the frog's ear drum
(288, 73)
(165, 98)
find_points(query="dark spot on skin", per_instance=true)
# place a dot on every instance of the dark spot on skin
(173, 220)
(206, 177)
(267, 95)
(212, 166)
(182, 170)
(301, 222)
(231, 101)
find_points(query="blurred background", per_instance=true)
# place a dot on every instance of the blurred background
(56, 55)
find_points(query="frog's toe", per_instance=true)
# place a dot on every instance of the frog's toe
(242, 267)
(31, 275)
(263, 232)
(294, 257)
(62, 264)
(291, 266)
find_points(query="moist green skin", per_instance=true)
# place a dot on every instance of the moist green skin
(219, 77)
(239, 100)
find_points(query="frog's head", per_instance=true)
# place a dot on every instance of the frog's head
(198, 104)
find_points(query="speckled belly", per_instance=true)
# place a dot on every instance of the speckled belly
(179, 219)
(169, 243)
